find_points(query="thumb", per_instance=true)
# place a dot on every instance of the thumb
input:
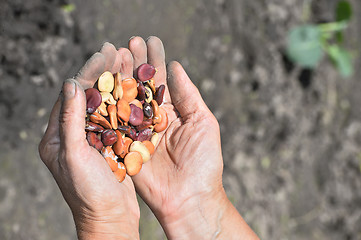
(72, 114)
(184, 94)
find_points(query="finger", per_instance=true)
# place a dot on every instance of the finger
(52, 131)
(110, 53)
(184, 94)
(50, 142)
(126, 66)
(72, 115)
(117, 63)
(138, 48)
(91, 71)
(156, 57)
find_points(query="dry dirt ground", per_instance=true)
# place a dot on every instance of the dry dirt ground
(291, 137)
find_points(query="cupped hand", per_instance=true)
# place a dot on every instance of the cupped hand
(186, 168)
(102, 207)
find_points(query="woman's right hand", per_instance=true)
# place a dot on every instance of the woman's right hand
(182, 183)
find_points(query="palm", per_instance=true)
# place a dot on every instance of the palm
(181, 166)
(180, 162)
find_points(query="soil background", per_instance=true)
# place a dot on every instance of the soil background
(291, 137)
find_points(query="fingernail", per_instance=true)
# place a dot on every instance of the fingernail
(146, 40)
(69, 88)
(132, 38)
(104, 44)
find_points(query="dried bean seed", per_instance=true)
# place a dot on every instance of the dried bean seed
(123, 110)
(141, 91)
(97, 118)
(148, 110)
(93, 99)
(133, 163)
(93, 127)
(136, 115)
(130, 89)
(106, 82)
(102, 109)
(150, 146)
(118, 89)
(120, 173)
(159, 94)
(109, 137)
(112, 111)
(110, 157)
(145, 72)
(148, 94)
(94, 141)
(155, 138)
(137, 146)
(164, 121)
(144, 135)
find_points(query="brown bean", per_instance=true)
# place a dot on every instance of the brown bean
(133, 163)
(109, 137)
(130, 89)
(144, 135)
(164, 121)
(97, 118)
(120, 173)
(94, 141)
(159, 94)
(123, 110)
(110, 157)
(93, 127)
(112, 111)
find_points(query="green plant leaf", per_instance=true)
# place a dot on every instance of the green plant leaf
(343, 11)
(68, 7)
(342, 60)
(304, 45)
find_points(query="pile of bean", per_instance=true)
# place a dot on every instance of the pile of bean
(124, 118)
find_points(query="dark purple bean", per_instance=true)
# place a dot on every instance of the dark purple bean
(141, 91)
(144, 135)
(148, 110)
(159, 94)
(109, 137)
(133, 134)
(145, 124)
(124, 129)
(145, 72)
(136, 115)
(93, 99)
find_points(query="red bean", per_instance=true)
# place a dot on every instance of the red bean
(144, 135)
(141, 91)
(159, 94)
(109, 137)
(93, 99)
(136, 115)
(148, 110)
(94, 141)
(145, 72)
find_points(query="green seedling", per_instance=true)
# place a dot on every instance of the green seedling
(307, 44)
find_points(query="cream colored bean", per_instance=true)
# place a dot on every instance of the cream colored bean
(107, 97)
(155, 138)
(106, 82)
(118, 89)
(138, 146)
(148, 94)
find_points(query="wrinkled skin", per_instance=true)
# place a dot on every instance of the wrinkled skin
(187, 163)
(109, 208)
(182, 183)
